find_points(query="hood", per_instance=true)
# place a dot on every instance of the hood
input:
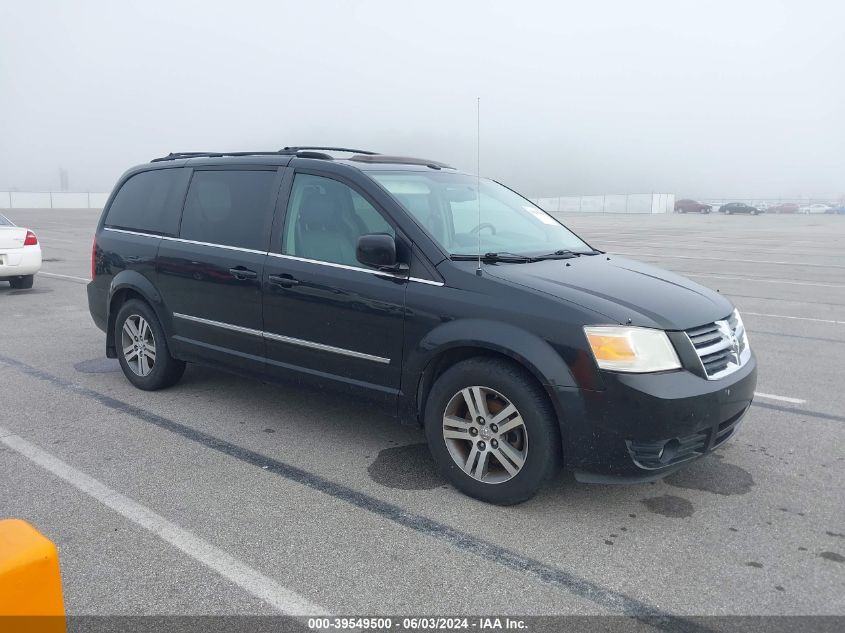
(620, 289)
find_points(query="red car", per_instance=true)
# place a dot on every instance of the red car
(691, 206)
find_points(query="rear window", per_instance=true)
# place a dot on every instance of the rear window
(231, 208)
(149, 202)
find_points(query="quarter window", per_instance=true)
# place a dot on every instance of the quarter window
(325, 218)
(232, 208)
(149, 202)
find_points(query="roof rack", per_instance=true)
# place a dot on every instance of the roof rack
(303, 151)
(329, 149)
(178, 155)
(399, 160)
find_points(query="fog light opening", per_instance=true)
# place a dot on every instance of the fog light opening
(669, 451)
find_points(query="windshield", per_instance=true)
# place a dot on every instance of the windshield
(4, 221)
(446, 205)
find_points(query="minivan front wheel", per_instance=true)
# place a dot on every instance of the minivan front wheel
(142, 348)
(492, 431)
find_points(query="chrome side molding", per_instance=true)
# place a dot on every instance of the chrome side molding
(283, 339)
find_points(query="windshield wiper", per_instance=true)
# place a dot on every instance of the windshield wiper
(566, 254)
(502, 256)
(516, 258)
(561, 254)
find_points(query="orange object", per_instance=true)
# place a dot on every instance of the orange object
(30, 580)
(611, 347)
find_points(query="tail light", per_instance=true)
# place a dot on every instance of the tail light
(94, 259)
(30, 240)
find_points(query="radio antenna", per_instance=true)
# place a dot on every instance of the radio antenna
(478, 175)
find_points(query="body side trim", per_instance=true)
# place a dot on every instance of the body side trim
(363, 270)
(292, 257)
(284, 339)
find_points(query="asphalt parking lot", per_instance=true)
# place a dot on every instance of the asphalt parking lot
(226, 496)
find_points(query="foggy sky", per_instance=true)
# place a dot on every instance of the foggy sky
(714, 99)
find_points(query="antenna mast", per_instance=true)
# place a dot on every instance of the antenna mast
(478, 175)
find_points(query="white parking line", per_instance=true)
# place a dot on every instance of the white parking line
(721, 259)
(796, 318)
(763, 280)
(223, 563)
(771, 396)
(58, 276)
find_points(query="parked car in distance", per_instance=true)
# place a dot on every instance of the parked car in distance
(837, 210)
(785, 207)
(513, 343)
(738, 207)
(686, 205)
(20, 254)
(816, 208)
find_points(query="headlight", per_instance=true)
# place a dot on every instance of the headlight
(631, 349)
(740, 332)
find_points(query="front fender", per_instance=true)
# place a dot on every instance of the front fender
(529, 350)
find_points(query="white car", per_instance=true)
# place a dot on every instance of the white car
(20, 254)
(816, 208)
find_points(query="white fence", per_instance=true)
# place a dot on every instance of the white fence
(610, 203)
(52, 199)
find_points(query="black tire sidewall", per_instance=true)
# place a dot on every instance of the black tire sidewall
(527, 396)
(22, 283)
(166, 369)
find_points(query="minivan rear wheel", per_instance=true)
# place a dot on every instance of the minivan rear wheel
(142, 348)
(492, 431)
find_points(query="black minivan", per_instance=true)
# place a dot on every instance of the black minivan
(448, 299)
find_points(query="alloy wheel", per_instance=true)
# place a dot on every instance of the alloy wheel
(485, 435)
(138, 342)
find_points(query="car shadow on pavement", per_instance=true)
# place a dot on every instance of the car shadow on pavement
(397, 456)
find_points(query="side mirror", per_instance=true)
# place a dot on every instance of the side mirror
(378, 250)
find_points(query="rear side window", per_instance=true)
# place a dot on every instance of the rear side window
(149, 202)
(231, 208)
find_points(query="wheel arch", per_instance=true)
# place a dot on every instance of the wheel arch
(453, 342)
(126, 285)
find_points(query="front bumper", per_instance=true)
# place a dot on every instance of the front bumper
(644, 426)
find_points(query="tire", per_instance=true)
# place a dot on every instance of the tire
(533, 435)
(753, 213)
(138, 327)
(25, 281)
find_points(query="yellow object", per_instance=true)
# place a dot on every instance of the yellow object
(30, 581)
(611, 347)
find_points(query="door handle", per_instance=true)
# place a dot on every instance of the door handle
(285, 281)
(239, 272)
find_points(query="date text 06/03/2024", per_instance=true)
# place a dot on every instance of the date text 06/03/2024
(417, 623)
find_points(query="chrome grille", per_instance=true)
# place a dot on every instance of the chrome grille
(722, 346)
